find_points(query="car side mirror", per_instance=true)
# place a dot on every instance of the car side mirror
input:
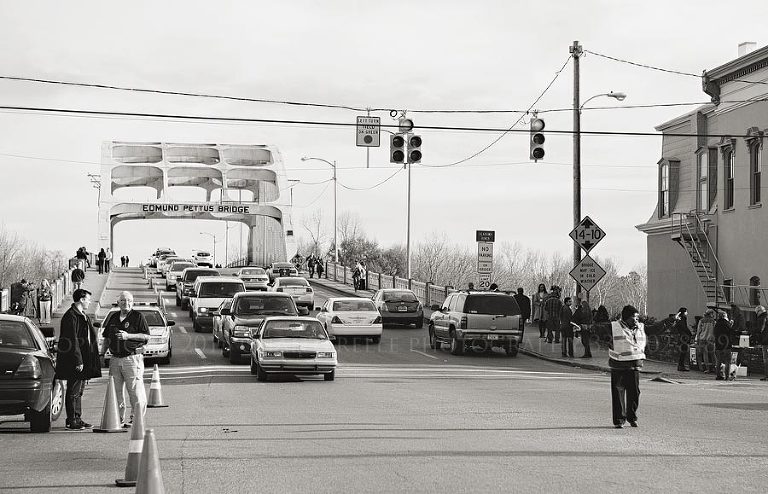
(97, 324)
(171, 323)
(332, 337)
(303, 311)
(319, 309)
(434, 307)
(226, 312)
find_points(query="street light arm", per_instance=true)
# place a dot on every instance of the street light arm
(618, 96)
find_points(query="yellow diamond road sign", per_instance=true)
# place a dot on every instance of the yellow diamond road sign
(587, 273)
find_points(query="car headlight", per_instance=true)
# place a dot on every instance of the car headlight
(270, 354)
(324, 354)
(202, 310)
(241, 331)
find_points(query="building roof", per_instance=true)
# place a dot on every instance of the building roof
(713, 79)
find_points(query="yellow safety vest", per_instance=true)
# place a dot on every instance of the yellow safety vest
(628, 345)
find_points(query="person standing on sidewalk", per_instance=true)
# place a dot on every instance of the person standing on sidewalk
(538, 309)
(552, 308)
(78, 356)
(524, 303)
(45, 297)
(125, 334)
(319, 269)
(77, 277)
(100, 258)
(685, 335)
(705, 339)
(566, 316)
(722, 346)
(583, 317)
(761, 332)
(108, 261)
(625, 358)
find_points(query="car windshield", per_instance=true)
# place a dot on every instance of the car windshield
(497, 305)
(203, 254)
(220, 289)
(181, 266)
(282, 265)
(152, 317)
(192, 275)
(15, 334)
(253, 271)
(400, 296)
(259, 306)
(294, 329)
(353, 305)
(293, 282)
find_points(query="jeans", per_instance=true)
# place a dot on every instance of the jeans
(45, 312)
(586, 335)
(723, 357)
(706, 356)
(73, 399)
(542, 328)
(625, 394)
(684, 362)
(129, 371)
(567, 346)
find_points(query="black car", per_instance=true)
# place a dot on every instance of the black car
(27, 373)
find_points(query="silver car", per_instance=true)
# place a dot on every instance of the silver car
(298, 288)
(254, 278)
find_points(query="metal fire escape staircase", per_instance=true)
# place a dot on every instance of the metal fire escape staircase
(690, 231)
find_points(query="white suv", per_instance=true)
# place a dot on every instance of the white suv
(203, 258)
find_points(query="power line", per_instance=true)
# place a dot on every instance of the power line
(315, 199)
(373, 186)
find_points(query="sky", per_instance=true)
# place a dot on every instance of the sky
(401, 55)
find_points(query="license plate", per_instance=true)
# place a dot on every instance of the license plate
(402, 308)
(493, 337)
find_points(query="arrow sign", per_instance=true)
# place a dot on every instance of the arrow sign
(587, 234)
(587, 273)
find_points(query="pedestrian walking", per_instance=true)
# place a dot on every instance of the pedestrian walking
(583, 317)
(357, 273)
(108, 260)
(625, 359)
(319, 269)
(311, 265)
(538, 309)
(685, 336)
(101, 256)
(29, 301)
(77, 277)
(122, 261)
(125, 334)
(77, 359)
(127, 261)
(722, 346)
(566, 315)
(524, 303)
(552, 308)
(760, 329)
(45, 299)
(705, 342)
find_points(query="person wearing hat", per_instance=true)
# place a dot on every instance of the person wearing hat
(685, 335)
(761, 333)
(625, 358)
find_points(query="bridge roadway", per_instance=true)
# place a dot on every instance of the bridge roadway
(403, 418)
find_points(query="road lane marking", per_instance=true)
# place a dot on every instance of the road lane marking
(183, 329)
(200, 353)
(425, 354)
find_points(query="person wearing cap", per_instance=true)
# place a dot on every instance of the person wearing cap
(625, 358)
(125, 334)
(685, 334)
(761, 332)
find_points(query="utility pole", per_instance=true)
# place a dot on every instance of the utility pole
(576, 51)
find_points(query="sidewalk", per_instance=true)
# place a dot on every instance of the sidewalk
(94, 283)
(535, 347)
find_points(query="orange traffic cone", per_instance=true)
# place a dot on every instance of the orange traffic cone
(150, 477)
(134, 453)
(155, 391)
(110, 417)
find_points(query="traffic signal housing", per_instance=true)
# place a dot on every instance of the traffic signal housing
(414, 149)
(396, 149)
(537, 139)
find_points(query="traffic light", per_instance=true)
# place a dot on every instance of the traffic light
(414, 149)
(537, 139)
(396, 149)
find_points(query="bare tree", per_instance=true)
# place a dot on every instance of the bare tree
(349, 226)
(318, 235)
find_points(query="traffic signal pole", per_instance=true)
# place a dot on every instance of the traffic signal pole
(576, 50)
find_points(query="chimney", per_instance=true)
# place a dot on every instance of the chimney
(746, 47)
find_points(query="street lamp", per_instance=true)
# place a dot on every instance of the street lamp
(335, 187)
(214, 245)
(577, 158)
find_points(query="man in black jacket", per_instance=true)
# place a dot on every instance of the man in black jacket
(78, 356)
(524, 303)
(685, 336)
(722, 346)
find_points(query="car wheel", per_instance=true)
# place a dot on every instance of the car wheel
(511, 350)
(234, 356)
(433, 343)
(420, 323)
(376, 339)
(457, 345)
(254, 367)
(41, 421)
(57, 403)
(330, 376)
(260, 374)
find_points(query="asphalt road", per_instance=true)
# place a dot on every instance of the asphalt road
(403, 418)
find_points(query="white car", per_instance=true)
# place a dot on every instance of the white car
(298, 288)
(174, 272)
(292, 345)
(203, 258)
(351, 316)
(160, 345)
(208, 294)
(163, 261)
(254, 278)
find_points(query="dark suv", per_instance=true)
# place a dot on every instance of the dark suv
(487, 319)
(245, 313)
(186, 282)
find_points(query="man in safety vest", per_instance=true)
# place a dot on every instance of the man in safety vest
(626, 357)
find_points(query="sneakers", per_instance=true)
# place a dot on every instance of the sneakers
(127, 425)
(633, 423)
(77, 424)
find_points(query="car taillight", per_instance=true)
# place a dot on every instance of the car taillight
(336, 320)
(29, 369)
(279, 290)
(463, 323)
(377, 320)
(309, 289)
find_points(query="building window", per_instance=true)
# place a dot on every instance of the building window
(712, 176)
(727, 290)
(730, 165)
(755, 167)
(664, 190)
(754, 293)
(703, 189)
